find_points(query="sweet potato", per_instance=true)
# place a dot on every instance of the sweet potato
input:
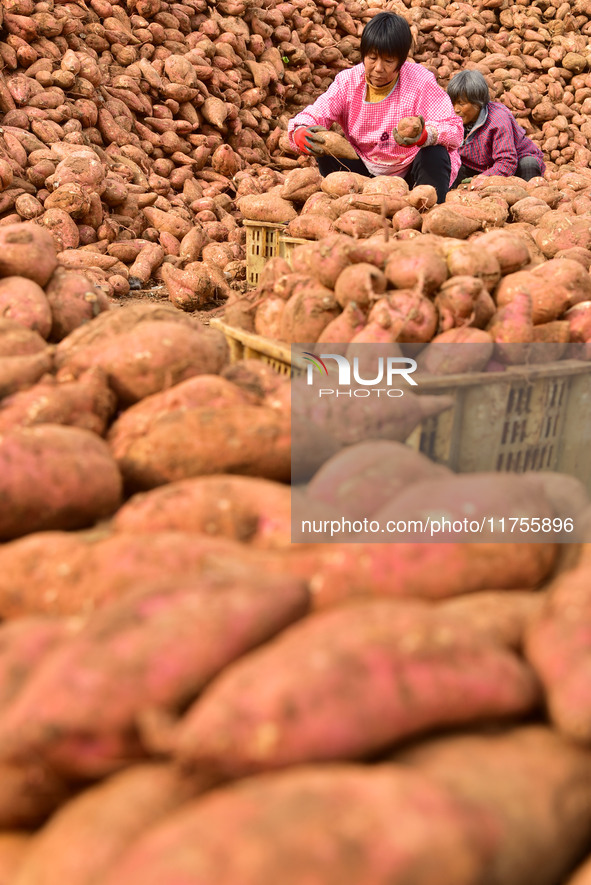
(73, 300)
(361, 478)
(534, 783)
(579, 320)
(67, 850)
(456, 303)
(24, 301)
(511, 326)
(266, 207)
(250, 440)
(509, 250)
(82, 571)
(55, 477)
(422, 197)
(310, 227)
(268, 318)
(475, 497)
(383, 643)
(137, 653)
(429, 571)
(360, 283)
(344, 327)
(200, 390)
(501, 617)
(457, 351)
(557, 647)
(13, 850)
(413, 264)
(149, 258)
(150, 357)
(553, 286)
(18, 340)
(324, 260)
(316, 824)
(413, 316)
(320, 203)
(307, 312)
(358, 223)
(21, 372)
(337, 184)
(467, 259)
(87, 402)
(408, 218)
(301, 184)
(385, 184)
(243, 508)
(447, 222)
(29, 794)
(24, 644)
(335, 145)
(27, 250)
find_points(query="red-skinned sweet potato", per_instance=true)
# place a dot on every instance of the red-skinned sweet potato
(301, 825)
(383, 643)
(55, 477)
(24, 301)
(67, 850)
(242, 508)
(137, 653)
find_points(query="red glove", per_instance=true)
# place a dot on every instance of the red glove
(419, 140)
(307, 141)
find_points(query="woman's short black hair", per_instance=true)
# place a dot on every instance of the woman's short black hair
(470, 86)
(387, 34)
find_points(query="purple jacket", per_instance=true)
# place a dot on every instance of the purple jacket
(496, 143)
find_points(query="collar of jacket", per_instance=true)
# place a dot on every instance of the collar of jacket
(480, 121)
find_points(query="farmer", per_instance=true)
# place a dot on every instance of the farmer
(370, 99)
(493, 142)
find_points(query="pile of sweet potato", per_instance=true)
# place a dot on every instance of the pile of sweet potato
(503, 263)
(169, 660)
(134, 132)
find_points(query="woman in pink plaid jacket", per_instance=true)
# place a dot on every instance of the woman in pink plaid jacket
(369, 100)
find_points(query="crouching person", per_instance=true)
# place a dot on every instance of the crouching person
(493, 142)
(372, 101)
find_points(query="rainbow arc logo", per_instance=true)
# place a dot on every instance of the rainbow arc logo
(316, 361)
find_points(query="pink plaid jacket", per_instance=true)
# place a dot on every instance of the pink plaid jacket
(369, 126)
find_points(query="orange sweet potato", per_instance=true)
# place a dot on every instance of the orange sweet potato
(307, 312)
(324, 260)
(337, 710)
(55, 477)
(266, 207)
(446, 221)
(457, 351)
(344, 327)
(509, 250)
(316, 824)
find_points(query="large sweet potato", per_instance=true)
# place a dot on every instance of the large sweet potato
(557, 645)
(362, 477)
(243, 508)
(316, 826)
(55, 477)
(87, 402)
(73, 301)
(27, 250)
(67, 848)
(535, 784)
(157, 647)
(24, 301)
(348, 683)
(150, 357)
(250, 440)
